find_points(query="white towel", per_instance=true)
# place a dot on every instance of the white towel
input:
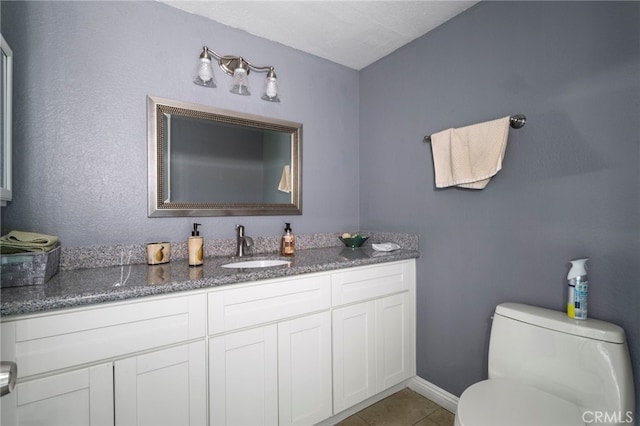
(469, 156)
(285, 180)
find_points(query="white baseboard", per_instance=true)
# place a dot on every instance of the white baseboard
(417, 384)
(434, 393)
(364, 404)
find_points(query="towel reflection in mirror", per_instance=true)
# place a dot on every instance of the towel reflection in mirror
(285, 180)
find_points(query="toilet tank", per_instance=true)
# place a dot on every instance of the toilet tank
(584, 361)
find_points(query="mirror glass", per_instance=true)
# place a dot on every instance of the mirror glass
(206, 161)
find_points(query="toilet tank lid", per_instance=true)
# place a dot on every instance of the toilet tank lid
(559, 321)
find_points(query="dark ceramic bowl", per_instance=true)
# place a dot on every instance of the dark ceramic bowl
(354, 242)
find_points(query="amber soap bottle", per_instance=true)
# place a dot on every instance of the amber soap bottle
(288, 243)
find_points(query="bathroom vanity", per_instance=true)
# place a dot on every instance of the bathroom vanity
(284, 345)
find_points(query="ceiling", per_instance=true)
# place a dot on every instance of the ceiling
(351, 33)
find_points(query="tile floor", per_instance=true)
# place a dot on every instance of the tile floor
(403, 408)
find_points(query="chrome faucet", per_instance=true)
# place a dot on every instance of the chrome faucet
(244, 242)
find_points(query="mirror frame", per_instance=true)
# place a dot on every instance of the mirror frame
(157, 107)
(6, 193)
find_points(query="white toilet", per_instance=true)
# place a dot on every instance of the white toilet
(548, 369)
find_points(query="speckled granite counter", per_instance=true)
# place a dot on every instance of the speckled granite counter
(80, 287)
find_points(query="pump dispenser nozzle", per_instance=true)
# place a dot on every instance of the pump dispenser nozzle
(578, 268)
(195, 231)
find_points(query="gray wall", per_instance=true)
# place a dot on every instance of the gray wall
(83, 71)
(569, 187)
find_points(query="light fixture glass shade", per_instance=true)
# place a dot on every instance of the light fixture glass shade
(203, 75)
(271, 88)
(240, 82)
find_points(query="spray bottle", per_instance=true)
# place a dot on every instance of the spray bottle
(578, 289)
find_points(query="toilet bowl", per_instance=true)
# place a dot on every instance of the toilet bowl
(503, 402)
(546, 369)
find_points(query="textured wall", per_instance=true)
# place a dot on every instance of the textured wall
(570, 185)
(82, 74)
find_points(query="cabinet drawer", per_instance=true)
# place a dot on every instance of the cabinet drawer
(369, 282)
(252, 305)
(51, 342)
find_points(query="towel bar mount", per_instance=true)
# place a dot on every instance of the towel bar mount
(516, 121)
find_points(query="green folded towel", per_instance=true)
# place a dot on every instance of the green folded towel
(21, 242)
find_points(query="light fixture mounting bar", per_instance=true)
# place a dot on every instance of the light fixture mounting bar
(238, 68)
(228, 63)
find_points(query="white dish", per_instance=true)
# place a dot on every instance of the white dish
(257, 263)
(385, 246)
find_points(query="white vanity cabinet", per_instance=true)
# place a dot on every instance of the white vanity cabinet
(291, 350)
(270, 355)
(373, 331)
(139, 360)
(296, 351)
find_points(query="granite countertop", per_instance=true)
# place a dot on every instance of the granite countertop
(78, 287)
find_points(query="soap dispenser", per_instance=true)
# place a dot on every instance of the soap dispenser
(288, 244)
(195, 246)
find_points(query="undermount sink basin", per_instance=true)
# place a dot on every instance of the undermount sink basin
(264, 263)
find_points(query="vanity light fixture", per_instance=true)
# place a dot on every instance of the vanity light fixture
(237, 67)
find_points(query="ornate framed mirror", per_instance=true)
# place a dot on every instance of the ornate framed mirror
(205, 161)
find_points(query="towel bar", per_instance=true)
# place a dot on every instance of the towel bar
(515, 121)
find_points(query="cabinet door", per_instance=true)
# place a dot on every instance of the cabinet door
(354, 375)
(79, 397)
(166, 387)
(243, 377)
(394, 343)
(304, 369)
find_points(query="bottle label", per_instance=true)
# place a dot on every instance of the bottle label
(288, 246)
(571, 304)
(580, 295)
(195, 251)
